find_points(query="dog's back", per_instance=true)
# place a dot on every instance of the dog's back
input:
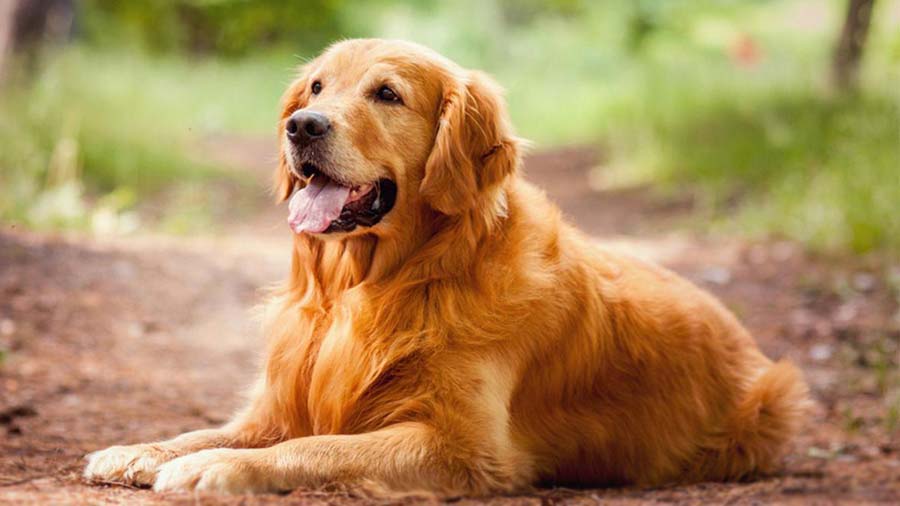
(645, 378)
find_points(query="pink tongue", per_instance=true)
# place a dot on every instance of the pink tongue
(313, 208)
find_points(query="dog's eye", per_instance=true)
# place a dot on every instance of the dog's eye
(316, 87)
(386, 94)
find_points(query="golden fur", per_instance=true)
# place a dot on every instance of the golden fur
(473, 342)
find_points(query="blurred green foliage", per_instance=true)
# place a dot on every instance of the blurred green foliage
(118, 128)
(237, 27)
(728, 98)
(229, 27)
(825, 170)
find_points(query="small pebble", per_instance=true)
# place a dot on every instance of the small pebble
(7, 327)
(864, 282)
(716, 275)
(821, 352)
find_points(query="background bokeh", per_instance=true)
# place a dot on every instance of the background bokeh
(107, 107)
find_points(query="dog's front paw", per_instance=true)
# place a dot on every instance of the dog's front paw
(127, 465)
(221, 470)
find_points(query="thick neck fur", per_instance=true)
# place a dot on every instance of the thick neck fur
(356, 310)
(435, 246)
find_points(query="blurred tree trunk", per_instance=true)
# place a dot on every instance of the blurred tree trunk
(7, 15)
(849, 51)
(26, 25)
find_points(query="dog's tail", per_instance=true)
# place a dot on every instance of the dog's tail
(762, 423)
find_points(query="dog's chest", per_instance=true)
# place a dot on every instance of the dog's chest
(353, 382)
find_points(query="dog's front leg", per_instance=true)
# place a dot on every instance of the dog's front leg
(137, 464)
(404, 457)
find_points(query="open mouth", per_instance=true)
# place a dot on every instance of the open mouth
(326, 205)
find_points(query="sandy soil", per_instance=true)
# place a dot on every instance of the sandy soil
(127, 340)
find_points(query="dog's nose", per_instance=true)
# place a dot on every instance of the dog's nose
(306, 126)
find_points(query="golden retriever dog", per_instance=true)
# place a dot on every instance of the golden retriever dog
(445, 330)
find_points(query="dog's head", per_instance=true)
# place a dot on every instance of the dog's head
(376, 133)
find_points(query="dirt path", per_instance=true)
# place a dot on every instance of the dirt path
(129, 340)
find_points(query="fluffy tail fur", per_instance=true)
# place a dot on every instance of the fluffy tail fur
(762, 424)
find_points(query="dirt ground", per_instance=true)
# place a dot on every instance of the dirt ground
(133, 339)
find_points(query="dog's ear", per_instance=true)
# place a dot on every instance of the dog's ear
(295, 97)
(474, 148)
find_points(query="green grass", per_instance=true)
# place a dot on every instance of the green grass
(766, 143)
(680, 109)
(821, 169)
(121, 126)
